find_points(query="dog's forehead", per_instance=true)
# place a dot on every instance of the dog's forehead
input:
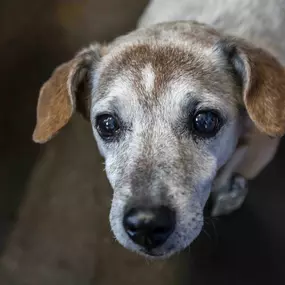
(148, 62)
(151, 68)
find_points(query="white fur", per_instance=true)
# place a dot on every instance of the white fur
(148, 78)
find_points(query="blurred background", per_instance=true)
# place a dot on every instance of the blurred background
(55, 199)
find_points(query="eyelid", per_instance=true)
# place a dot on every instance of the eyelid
(195, 106)
(217, 111)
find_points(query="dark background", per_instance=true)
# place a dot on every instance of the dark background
(54, 199)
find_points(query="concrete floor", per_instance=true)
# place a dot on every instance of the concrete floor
(54, 200)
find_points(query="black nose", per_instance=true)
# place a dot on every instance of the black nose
(149, 227)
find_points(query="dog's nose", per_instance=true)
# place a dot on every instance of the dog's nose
(149, 227)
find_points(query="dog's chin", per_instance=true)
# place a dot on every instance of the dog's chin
(164, 252)
(154, 255)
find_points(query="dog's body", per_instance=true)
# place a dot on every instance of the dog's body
(177, 110)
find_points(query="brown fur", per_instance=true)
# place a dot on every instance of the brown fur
(55, 104)
(264, 90)
(167, 63)
(64, 93)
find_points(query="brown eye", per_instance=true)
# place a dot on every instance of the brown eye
(206, 124)
(107, 126)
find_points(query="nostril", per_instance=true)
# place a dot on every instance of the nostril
(160, 230)
(149, 227)
(132, 228)
(132, 220)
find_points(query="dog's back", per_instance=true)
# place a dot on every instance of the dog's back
(261, 22)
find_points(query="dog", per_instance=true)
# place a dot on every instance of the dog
(190, 103)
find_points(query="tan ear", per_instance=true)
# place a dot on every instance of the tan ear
(61, 94)
(263, 84)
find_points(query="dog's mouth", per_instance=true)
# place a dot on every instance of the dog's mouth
(153, 254)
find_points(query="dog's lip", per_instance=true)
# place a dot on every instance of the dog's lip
(156, 254)
(151, 253)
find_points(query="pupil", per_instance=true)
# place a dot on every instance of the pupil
(109, 124)
(205, 122)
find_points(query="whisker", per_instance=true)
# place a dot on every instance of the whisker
(207, 234)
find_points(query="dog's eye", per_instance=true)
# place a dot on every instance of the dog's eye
(206, 124)
(107, 126)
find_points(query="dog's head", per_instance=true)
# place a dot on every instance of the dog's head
(167, 106)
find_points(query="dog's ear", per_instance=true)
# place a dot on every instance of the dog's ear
(262, 79)
(66, 91)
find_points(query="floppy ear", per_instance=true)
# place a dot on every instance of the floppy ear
(263, 85)
(65, 92)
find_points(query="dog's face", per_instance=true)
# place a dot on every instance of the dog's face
(165, 119)
(166, 106)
